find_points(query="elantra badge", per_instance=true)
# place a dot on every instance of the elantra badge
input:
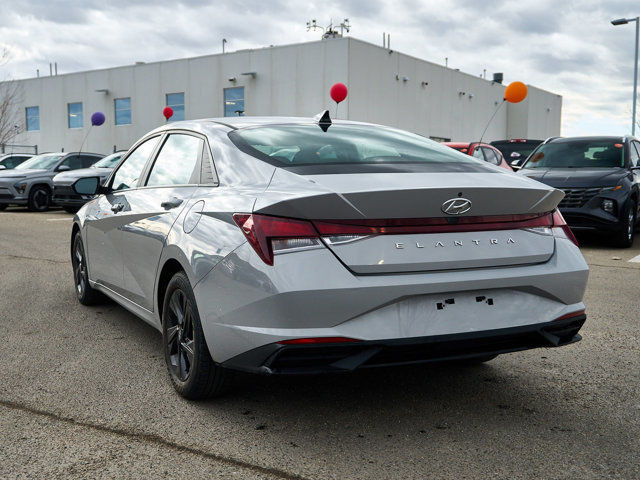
(456, 206)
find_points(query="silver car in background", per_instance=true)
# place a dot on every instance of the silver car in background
(293, 246)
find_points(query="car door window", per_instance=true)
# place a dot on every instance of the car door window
(130, 170)
(73, 162)
(177, 162)
(634, 154)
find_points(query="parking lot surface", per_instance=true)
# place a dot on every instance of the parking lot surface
(85, 394)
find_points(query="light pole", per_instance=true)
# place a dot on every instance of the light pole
(624, 21)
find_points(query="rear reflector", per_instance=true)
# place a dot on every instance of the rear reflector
(316, 340)
(579, 313)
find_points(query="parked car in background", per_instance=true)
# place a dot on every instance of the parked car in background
(599, 177)
(12, 160)
(292, 245)
(31, 182)
(63, 194)
(516, 150)
(482, 151)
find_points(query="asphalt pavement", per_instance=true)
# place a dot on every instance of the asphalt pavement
(85, 394)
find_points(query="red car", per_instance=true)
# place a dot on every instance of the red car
(483, 151)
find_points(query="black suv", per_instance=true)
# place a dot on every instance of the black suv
(599, 177)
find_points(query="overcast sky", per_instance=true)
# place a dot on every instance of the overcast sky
(567, 47)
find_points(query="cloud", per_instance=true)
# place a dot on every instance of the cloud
(567, 47)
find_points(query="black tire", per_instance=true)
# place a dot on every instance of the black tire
(71, 209)
(193, 372)
(85, 293)
(3, 207)
(624, 238)
(39, 198)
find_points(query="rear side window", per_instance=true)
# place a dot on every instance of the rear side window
(177, 162)
(344, 146)
(88, 160)
(130, 170)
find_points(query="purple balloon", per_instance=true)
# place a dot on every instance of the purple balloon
(97, 119)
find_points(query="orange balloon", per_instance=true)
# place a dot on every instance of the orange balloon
(515, 92)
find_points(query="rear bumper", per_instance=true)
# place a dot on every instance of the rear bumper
(596, 219)
(245, 304)
(280, 359)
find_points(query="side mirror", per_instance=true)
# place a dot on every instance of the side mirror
(87, 186)
(2, 167)
(64, 168)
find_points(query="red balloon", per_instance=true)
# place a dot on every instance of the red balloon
(167, 112)
(338, 92)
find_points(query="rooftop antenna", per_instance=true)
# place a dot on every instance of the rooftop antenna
(345, 25)
(224, 41)
(329, 31)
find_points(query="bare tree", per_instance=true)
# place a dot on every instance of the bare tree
(11, 123)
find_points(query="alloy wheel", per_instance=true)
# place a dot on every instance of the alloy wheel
(79, 268)
(179, 337)
(40, 199)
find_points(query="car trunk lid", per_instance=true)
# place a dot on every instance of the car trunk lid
(396, 222)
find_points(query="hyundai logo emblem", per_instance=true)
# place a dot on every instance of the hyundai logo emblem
(456, 206)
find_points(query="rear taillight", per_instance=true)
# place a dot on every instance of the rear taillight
(271, 235)
(274, 234)
(561, 229)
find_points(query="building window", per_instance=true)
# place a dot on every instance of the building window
(123, 111)
(234, 102)
(33, 118)
(176, 102)
(74, 114)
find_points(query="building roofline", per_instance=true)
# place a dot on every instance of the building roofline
(197, 57)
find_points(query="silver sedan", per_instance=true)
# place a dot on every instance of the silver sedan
(293, 246)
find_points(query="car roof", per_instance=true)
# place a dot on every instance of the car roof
(599, 138)
(516, 140)
(465, 144)
(244, 122)
(16, 154)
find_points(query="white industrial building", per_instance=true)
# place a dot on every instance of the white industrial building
(385, 87)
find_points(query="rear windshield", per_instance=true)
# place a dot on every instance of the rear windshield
(578, 154)
(515, 151)
(348, 148)
(108, 162)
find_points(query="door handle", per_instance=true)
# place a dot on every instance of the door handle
(117, 207)
(173, 203)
